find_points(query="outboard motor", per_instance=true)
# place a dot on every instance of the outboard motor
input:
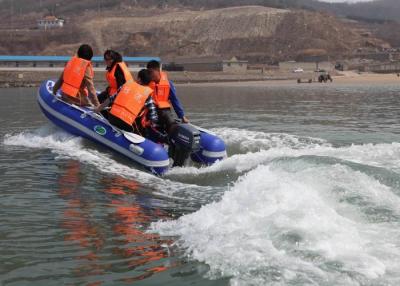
(184, 139)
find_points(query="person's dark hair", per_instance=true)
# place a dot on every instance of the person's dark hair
(153, 65)
(115, 56)
(85, 52)
(144, 76)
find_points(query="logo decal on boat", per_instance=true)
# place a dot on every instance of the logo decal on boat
(100, 130)
(49, 86)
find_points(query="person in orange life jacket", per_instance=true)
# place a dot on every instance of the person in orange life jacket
(164, 95)
(117, 74)
(148, 125)
(131, 108)
(76, 81)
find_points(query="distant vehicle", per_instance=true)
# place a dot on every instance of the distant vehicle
(299, 80)
(339, 66)
(297, 70)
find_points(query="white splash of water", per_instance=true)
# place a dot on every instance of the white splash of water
(295, 225)
(253, 141)
(272, 146)
(67, 146)
(281, 222)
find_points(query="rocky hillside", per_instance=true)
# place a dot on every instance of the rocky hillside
(241, 31)
(249, 32)
(375, 10)
(228, 31)
(370, 10)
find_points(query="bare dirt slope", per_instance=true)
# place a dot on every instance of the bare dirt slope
(253, 32)
(188, 33)
(238, 31)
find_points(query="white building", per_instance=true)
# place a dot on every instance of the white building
(292, 66)
(234, 65)
(50, 22)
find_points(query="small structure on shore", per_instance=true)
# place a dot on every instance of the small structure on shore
(207, 64)
(291, 66)
(200, 64)
(50, 22)
(385, 67)
(234, 66)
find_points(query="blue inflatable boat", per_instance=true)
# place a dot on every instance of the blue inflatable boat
(82, 121)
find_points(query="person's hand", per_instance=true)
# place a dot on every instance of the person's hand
(185, 120)
(98, 109)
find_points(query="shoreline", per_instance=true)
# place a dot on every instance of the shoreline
(33, 77)
(363, 79)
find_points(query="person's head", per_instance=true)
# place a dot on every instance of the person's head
(144, 77)
(154, 67)
(111, 57)
(85, 52)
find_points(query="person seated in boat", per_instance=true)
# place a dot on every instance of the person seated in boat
(164, 96)
(131, 108)
(76, 81)
(117, 74)
(147, 125)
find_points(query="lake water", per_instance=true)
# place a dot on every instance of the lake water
(309, 195)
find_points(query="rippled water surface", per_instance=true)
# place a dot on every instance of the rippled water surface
(309, 195)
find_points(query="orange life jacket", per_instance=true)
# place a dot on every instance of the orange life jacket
(112, 81)
(161, 92)
(130, 101)
(73, 75)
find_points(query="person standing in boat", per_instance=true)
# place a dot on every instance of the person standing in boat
(117, 74)
(164, 96)
(132, 108)
(76, 81)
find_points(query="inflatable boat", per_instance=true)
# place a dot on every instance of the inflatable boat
(188, 142)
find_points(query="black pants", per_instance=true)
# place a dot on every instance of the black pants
(150, 132)
(119, 123)
(147, 132)
(103, 96)
(166, 120)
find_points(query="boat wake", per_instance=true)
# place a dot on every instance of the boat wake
(296, 223)
(281, 209)
(299, 211)
(66, 146)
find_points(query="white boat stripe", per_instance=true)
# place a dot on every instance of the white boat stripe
(95, 136)
(212, 154)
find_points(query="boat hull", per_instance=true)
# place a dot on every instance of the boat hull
(85, 123)
(82, 121)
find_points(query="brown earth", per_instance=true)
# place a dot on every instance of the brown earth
(249, 32)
